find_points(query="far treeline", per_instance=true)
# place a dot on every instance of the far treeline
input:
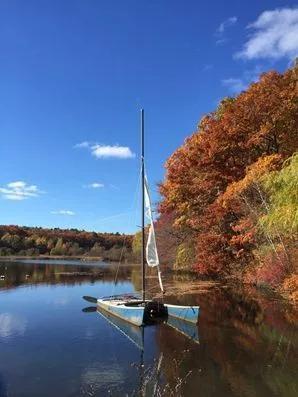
(34, 241)
(229, 206)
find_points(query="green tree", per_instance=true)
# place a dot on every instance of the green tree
(282, 188)
(59, 248)
(97, 250)
(137, 245)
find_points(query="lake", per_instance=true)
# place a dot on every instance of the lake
(52, 344)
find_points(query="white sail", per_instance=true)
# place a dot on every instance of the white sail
(151, 248)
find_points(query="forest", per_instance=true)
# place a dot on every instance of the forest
(35, 241)
(229, 201)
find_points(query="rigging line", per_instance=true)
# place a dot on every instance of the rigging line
(125, 238)
(154, 288)
(114, 216)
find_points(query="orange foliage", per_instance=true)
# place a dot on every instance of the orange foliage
(210, 180)
(290, 288)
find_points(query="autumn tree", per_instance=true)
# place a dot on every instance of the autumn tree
(229, 146)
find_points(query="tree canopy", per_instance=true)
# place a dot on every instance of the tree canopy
(227, 188)
(30, 241)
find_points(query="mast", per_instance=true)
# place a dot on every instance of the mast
(143, 205)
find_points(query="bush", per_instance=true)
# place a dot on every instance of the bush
(273, 269)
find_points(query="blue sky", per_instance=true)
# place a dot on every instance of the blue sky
(74, 75)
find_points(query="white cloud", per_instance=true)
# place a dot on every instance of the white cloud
(234, 84)
(63, 212)
(238, 84)
(219, 33)
(19, 190)
(275, 35)
(225, 24)
(107, 151)
(84, 144)
(95, 185)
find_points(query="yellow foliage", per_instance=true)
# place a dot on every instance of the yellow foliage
(290, 288)
(253, 175)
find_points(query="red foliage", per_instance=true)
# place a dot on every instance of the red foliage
(259, 127)
(168, 238)
(272, 271)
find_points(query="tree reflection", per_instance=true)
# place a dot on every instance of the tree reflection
(247, 348)
(18, 274)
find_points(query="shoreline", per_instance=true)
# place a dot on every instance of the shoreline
(83, 259)
(55, 257)
(184, 274)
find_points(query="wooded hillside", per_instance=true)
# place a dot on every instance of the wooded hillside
(230, 195)
(29, 241)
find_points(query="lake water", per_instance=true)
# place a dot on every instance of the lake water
(51, 345)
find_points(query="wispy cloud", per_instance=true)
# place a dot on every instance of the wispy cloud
(19, 190)
(274, 35)
(84, 144)
(220, 31)
(238, 84)
(234, 84)
(207, 67)
(106, 151)
(94, 185)
(101, 151)
(63, 212)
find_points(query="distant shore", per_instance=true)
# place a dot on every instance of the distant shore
(62, 257)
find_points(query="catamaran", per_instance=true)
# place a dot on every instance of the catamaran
(136, 335)
(137, 310)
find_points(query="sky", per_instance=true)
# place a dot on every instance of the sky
(74, 75)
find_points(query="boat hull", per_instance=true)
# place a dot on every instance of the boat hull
(131, 331)
(133, 315)
(141, 313)
(185, 313)
(186, 328)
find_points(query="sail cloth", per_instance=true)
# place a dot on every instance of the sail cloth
(151, 248)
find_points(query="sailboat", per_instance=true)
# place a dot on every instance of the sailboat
(136, 310)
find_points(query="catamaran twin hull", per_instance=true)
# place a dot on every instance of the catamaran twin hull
(140, 313)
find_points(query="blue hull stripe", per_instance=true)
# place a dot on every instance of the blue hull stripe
(133, 315)
(186, 313)
(187, 328)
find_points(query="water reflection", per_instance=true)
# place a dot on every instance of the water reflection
(11, 325)
(3, 388)
(102, 377)
(133, 333)
(185, 328)
(51, 346)
(33, 272)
